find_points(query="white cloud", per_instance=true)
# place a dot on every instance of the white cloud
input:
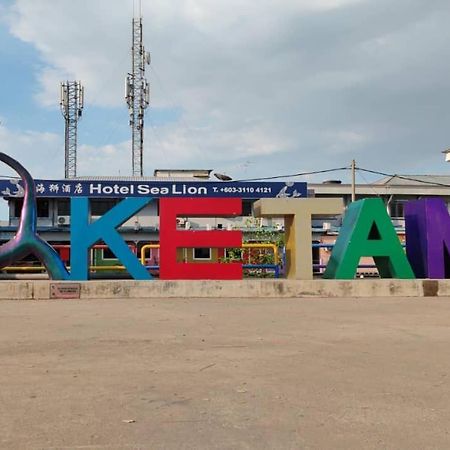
(175, 147)
(111, 159)
(40, 152)
(203, 50)
(345, 141)
(276, 82)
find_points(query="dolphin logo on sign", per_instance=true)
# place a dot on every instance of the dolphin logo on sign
(19, 189)
(26, 241)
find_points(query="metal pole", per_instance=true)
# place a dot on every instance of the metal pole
(353, 180)
(72, 98)
(137, 95)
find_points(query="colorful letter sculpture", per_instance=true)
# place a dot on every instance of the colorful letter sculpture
(84, 235)
(170, 239)
(427, 225)
(367, 230)
(26, 241)
(298, 213)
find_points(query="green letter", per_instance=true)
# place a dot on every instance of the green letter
(368, 231)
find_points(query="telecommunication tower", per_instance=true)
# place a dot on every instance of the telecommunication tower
(137, 95)
(72, 102)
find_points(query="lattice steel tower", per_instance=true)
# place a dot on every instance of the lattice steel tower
(137, 95)
(72, 102)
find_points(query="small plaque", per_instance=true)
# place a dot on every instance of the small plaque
(65, 290)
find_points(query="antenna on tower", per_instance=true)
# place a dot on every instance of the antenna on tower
(72, 102)
(137, 94)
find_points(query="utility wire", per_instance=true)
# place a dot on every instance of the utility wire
(263, 178)
(369, 184)
(402, 177)
(315, 172)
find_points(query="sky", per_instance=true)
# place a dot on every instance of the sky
(247, 88)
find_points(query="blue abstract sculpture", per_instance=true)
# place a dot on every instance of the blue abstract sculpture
(26, 241)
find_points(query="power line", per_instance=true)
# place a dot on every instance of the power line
(315, 172)
(371, 185)
(263, 178)
(402, 177)
(300, 174)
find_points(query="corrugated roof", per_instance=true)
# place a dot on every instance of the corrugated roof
(141, 179)
(414, 180)
(200, 173)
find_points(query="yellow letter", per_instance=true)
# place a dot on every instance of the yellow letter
(297, 214)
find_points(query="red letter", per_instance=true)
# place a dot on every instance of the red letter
(171, 239)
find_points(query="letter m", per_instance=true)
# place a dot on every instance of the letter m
(427, 224)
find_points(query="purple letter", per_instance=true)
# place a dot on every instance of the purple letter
(427, 225)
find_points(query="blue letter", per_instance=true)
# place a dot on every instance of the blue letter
(84, 235)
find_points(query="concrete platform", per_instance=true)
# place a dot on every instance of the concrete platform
(99, 289)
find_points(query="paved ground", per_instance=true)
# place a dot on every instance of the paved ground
(225, 374)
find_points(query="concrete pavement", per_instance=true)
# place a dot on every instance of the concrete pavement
(225, 374)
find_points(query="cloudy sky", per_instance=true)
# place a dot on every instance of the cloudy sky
(248, 88)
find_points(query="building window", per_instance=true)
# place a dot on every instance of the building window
(397, 208)
(102, 206)
(64, 207)
(108, 254)
(42, 207)
(18, 203)
(201, 253)
(247, 207)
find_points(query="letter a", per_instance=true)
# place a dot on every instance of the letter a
(368, 231)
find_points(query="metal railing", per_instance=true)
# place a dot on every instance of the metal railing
(275, 266)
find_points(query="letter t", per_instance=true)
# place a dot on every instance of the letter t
(297, 214)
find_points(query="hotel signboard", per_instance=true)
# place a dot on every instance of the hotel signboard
(156, 189)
